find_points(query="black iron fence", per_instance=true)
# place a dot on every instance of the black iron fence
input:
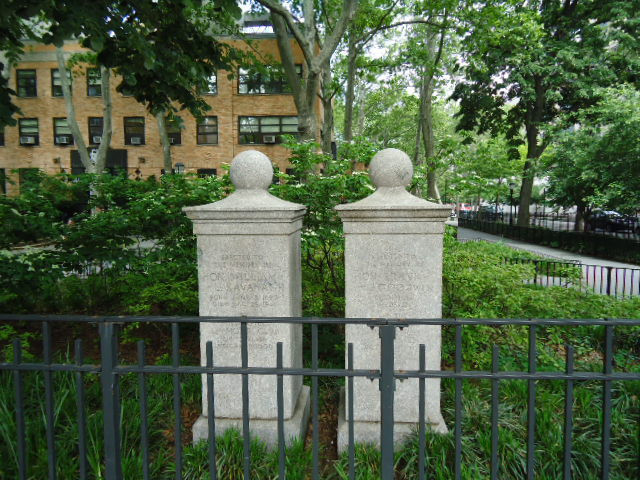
(605, 280)
(620, 247)
(597, 224)
(111, 368)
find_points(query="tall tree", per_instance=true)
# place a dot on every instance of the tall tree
(97, 163)
(375, 17)
(531, 66)
(163, 51)
(598, 163)
(432, 51)
(161, 122)
(317, 50)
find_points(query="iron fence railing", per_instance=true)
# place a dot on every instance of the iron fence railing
(620, 248)
(619, 282)
(111, 368)
(621, 227)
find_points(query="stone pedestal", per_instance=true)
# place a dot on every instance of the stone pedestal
(393, 263)
(249, 265)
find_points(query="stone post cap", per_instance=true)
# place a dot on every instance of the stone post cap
(391, 171)
(252, 174)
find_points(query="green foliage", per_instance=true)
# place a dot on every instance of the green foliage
(230, 459)
(145, 263)
(597, 165)
(535, 65)
(476, 270)
(132, 246)
(162, 50)
(37, 213)
(476, 437)
(322, 240)
(29, 283)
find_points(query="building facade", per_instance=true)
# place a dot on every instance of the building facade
(249, 110)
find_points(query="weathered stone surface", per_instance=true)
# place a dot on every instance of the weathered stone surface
(249, 265)
(393, 262)
(294, 426)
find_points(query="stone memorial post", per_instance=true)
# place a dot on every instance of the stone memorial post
(393, 263)
(249, 265)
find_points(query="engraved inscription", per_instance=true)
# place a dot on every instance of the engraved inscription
(245, 280)
(397, 278)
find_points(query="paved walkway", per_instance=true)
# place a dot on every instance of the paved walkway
(622, 279)
(556, 253)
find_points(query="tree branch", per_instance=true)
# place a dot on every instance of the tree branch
(331, 43)
(275, 7)
(286, 55)
(399, 24)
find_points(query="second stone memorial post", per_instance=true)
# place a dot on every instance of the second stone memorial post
(393, 269)
(249, 265)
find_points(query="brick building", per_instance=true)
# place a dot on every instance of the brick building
(249, 111)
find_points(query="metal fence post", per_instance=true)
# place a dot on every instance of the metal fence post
(609, 269)
(387, 388)
(110, 402)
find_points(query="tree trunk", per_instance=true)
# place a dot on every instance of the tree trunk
(533, 152)
(164, 140)
(89, 166)
(428, 137)
(107, 107)
(327, 106)
(416, 153)
(578, 225)
(305, 91)
(350, 91)
(362, 101)
(526, 190)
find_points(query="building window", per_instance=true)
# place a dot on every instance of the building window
(94, 82)
(3, 181)
(273, 81)
(29, 134)
(173, 131)
(1, 136)
(265, 130)
(212, 85)
(207, 172)
(61, 132)
(95, 130)
(208, 131)
(26, 83)
(134, 130)
(56, 83)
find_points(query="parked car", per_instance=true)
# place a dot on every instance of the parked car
(464, 209)
(490, 212)
(611, 221)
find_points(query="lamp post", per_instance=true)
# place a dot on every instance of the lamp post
(511, 187)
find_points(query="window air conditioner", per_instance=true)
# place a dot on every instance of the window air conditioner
(269, 138)
(27, 140)
(136, 140)
(97, 139)
(62, 140)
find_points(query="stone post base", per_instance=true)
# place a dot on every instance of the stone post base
(369, 432)
(265, 429)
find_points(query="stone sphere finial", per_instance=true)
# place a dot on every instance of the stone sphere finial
(391, 168)
(251, 170)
